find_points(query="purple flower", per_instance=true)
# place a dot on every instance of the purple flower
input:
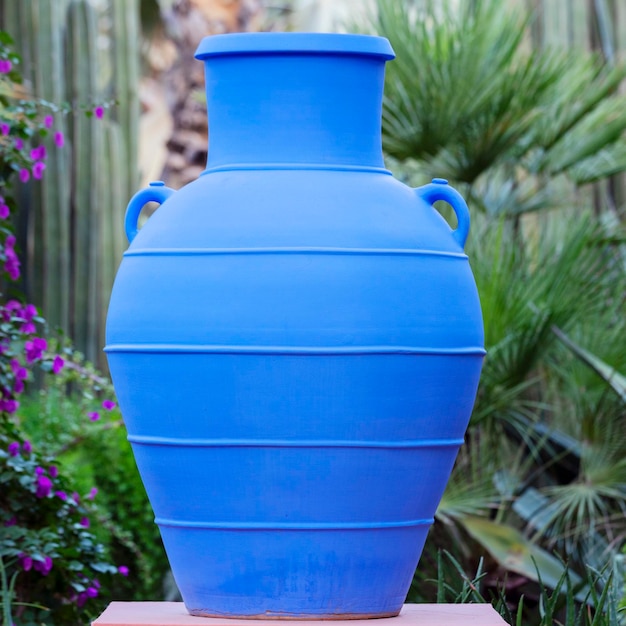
(9, 405)
(57, 364)
(59, 139)
(5, 66)
(30, 311)
(44, 566)
(24, 175)
(12, 262)
(12, 521)
(39, 471)
(99, 112)
(92, 493)
(44, 487)
(48, 121)
(18, 387)
(4, 211)
(76, 498)
(38, 169)
(27, 447)
(20, 372)
(84, 522)
(123, 570)
(61, 495)
(38, 153)
(91, 592)
(19, 143)
(25, 561)
(28, 328)
(108, 405)
(14, 448)
(34, 348)
(5, 129)
(53, 471)
(94, 416)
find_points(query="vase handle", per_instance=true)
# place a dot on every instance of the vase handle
(156, 192)
(439, 190)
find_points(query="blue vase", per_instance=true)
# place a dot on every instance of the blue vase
(295, 339)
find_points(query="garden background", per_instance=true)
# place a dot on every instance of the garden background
(520, 105)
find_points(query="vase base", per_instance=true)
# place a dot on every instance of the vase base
(275, 616)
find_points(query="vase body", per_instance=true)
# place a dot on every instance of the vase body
(295, 340)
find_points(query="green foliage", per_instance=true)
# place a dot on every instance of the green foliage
(541, 480)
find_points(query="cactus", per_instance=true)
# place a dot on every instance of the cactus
(72, 223)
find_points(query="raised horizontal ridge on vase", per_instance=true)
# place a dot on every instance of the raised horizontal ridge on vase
(288, 443)
(304, 43)
(293, 525)
(293, 350)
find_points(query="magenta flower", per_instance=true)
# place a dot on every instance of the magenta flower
(34, 349)
(5, 66)
(38, 169)
(5, 129)
(91, 592)
(19, 143)
(94, 416)
(44, 487)
(4, 211)
(12, 262)
(57, 364)
(12, 521)
(18, 387)
(76, 498)
(59, 139)
(92, 493)
(9, 406)
(123, 570)
(48, 121)
(39, 471)
(24, 175)
(84, 522)
(61, 495)
(30, 311)
(39, 153)
(108, 405)
(44, 566)
(25, 561)
(53, 471)
(19, 371)
(99, 112)
(14, 448)
(27, 447)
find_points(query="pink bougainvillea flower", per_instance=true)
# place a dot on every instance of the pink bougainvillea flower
(123, 570)
(99, 112)
(39, 471)
(19, 143)
(5, 66)
(94, 416)
(76, 498)
(29, 312)
(18, 387)
(61, 495)
(92, 493)
(39, 153)
(19, 371)
(25, 561)
(44, 487)
(43, 567)
(84, 522)
(12, 521)
(48, 121)
(27, 447)
(38, 169)
(4, 211)
(24, 175)
(34, 349)
(57, 364)
(5, 129)
(59, 139)
(14, 448)
(12, 263)
(108, 405)
(9, 405)
(91, 592)
(53, 471)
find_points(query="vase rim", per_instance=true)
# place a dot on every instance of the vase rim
(304, 43)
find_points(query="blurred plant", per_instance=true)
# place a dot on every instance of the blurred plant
(52, 565)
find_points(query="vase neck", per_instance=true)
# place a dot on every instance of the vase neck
(295, 108)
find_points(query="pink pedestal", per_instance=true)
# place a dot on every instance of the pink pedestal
(174, 614)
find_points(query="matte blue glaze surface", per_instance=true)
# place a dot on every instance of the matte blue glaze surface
(295, 340)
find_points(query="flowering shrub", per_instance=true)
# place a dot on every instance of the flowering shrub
(52, 563)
